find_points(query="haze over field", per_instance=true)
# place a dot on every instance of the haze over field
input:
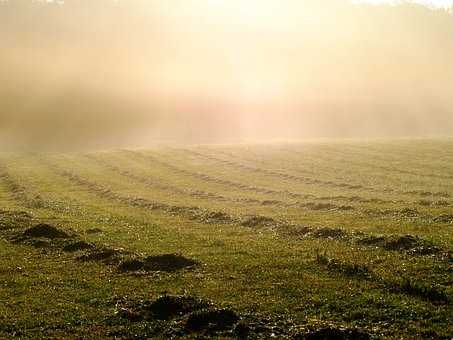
(111, 73)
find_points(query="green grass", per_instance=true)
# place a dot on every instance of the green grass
(272, 271)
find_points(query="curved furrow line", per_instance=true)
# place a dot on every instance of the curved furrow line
(202, 215)
(312, 206)
(392, 155)
(362, 164)
(409, 214)
(306, 180)
(34, 199)
(209, 216)
(261, 190)
(244, 167)
(190, 212)
(216, 180)
(283, 228)
(20, 193)
(199, 194)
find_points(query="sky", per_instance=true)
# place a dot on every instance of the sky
(437, 3)
(113, 73)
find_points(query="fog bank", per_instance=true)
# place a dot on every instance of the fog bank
(116, 73)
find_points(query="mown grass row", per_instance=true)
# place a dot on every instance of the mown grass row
(314, 181)
(409, 214)
(283, 227)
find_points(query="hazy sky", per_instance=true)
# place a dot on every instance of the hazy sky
(439, 3)
(110, 73)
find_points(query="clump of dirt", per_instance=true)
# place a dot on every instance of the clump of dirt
(378, 241)
(326, 232)
(212, 320)
(412, 244)
(334, 333)
(425, 203)
(45, 231)
(78, 246)
(242, 330)
(431, 293)
(177, 316)
(445, 218)
(165, 307)
(39, 243)
(131, 265)
(216, 217)
(345, 268)
(168, 263)
(258, 221)
(299, 231)
(404, 242)
(319, 206)
(94, 231)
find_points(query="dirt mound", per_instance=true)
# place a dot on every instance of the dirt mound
(319, 206)
(214, 320)
(345, 268)
(45, 231)
(445, 218)
(335, 333)
(40, 243)
(173, 316)
(165, 307)
(94, 231)
(299, 231)
(258, 221)
(404, 242)
(168, 263)
(326, 232)
(78, 246)
(216, 217)
(409, 243)
(430, 293)
(131, 266)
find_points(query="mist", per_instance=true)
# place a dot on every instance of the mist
(105, 73)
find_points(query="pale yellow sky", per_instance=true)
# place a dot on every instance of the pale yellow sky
(213, 69)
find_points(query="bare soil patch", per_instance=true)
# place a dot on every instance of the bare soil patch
(168, 263)
(409, 243)
(258, 221)
(211, 320)
(45, 231)
(78, 246)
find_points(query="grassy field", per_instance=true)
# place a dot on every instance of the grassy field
(308, 240)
